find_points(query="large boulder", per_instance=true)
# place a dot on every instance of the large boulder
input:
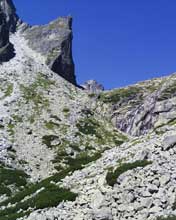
(93, 86)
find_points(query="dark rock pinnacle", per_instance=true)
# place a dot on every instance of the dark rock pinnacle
(8, 21)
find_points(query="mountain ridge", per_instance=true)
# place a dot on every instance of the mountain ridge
(56, 51)
(81, 154)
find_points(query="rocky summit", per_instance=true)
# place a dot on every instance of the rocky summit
(71, 152)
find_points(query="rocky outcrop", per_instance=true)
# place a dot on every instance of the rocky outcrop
(144, 107)
(92, 86)
(8, 21)
(54, 43)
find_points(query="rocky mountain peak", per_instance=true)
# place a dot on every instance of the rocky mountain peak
(92, 86)
(52, 41)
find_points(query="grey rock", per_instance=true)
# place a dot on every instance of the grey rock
(144, 154)
(146, 202)
(164, 179)
(122, 207)
(155, 209)
(153, 188)
(138, 110)
(169, 141)
(54, 43)
(97, 200)
(129, 197)
(93, 87)
(103, 214)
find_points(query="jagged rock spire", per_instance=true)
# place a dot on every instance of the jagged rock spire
(52, 41)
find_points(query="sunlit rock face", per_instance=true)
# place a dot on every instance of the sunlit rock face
(92, 86)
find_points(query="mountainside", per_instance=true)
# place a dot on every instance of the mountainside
(79, 154)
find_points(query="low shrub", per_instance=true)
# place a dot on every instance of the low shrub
(112, 176)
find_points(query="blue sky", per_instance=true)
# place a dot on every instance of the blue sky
(116, 42)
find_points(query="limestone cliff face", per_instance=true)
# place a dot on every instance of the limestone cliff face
(52, 41)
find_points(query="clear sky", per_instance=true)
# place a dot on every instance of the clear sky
(116, 42)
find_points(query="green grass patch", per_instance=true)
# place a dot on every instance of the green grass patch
(17, 118)
(14, 216)
(10, 129)
(50, 196)
(167, 218)
(43, 81)
(51, 125)
(88, 126)
(4, 190)
(1, 126)
(112, 176)
(47, 140)
(81, 160)
(10, 176)
(34, 92)
(66, 110)
(92, 95)
(8, 91)
(117, 95)
(32, 95)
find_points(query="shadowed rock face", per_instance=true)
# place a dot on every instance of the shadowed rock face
(8, 9)
(8, 21)
(54, 43)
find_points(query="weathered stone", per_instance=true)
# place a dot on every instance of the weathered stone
(164, 179)
(146, 202)
(93, 87)
(103, 214)
(97, 200)
(153, 188)
(169, 141)
(54, 43)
